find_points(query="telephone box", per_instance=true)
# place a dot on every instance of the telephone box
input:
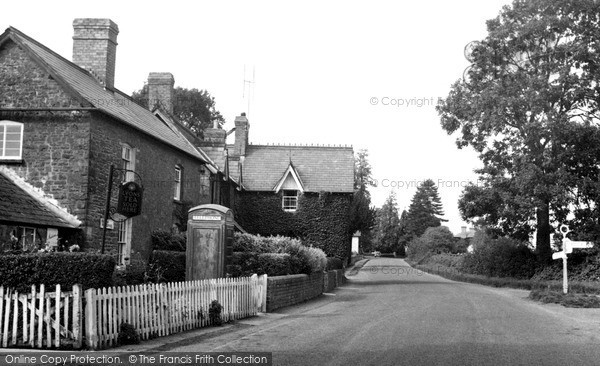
(209, 241)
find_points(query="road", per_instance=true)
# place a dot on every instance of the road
(391, 314)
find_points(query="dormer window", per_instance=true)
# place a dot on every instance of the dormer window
(289, 201)
(11, 140)
(290, 185)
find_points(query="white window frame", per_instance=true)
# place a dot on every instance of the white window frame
(3, 132)
(125, 228)
(124, 242)
(289, 202)
(177, 183)
(128, 162)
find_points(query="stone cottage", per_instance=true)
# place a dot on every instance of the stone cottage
(63, 123)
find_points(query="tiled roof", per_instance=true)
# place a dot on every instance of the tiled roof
(84, 87)
(22, 207)
(321, 168)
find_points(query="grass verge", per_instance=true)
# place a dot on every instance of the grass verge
(454, 274)
(569, 300)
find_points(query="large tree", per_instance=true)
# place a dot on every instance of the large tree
(425, 210)
(532, 86)
(387, 228)
(362, 212)
(194, 108)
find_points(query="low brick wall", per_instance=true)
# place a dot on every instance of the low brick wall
(289, 290)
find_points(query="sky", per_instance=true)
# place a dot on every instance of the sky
(366, 74)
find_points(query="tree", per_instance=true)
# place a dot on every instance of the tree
(363, 177)
(425, 210)
(533, 85)
(387, 227)
(194, 108)
(362, 212)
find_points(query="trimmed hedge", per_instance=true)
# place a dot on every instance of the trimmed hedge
(166, 266)
(334, 263)
(21, 271)
(250, 253)
(165, 240)
(322, 219)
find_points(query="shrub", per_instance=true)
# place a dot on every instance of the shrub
(166, 266)
(214, 313)
(316, 259)
(165, 240)
(274, 264)
(133, 274)
(127, 335)
(334, 263)
(90, 270)
(435, 240)
(502, 257)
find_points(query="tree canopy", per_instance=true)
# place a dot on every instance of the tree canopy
(530, 98)
(387, 233)
(194, 108)
(425, 210)
(362, 212)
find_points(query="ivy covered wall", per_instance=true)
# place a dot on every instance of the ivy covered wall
(322, 219)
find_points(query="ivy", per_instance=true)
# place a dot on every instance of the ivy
(322, 219)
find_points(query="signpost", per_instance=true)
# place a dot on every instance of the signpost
(129, 200)
(568, 246)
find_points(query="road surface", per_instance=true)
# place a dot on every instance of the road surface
(391, 314)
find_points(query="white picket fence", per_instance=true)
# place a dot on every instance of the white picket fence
(41, 319)
(154, 310)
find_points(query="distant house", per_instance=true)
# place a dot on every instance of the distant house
(467, 236)
(294, 190)
(63, 123)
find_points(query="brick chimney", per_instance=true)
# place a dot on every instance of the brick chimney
(95, 48)
(242, 127)
(215, 136)
(160, 91)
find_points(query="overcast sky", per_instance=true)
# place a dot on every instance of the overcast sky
(366, 74)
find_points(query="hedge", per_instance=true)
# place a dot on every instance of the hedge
(334, 263)
(21, 271)
(165, 240)
(166, 266)
(322, 219)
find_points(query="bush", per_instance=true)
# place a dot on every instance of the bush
(503, 257)
(334, 263)
(166, 266)
(274, 264)
(435, 240)
(248, 248)
(90, 270)
(165, 240)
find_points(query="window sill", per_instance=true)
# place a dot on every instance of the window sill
(12, 161)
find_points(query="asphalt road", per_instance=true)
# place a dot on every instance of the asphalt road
(392, 314)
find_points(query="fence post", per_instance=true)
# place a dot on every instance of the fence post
(91, 326)
(77, 330)
(263, 293)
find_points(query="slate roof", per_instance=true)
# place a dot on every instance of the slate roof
(83, 86)
(21, 207)
(321, 168)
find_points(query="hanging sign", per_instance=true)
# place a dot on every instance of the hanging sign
(130, 199)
